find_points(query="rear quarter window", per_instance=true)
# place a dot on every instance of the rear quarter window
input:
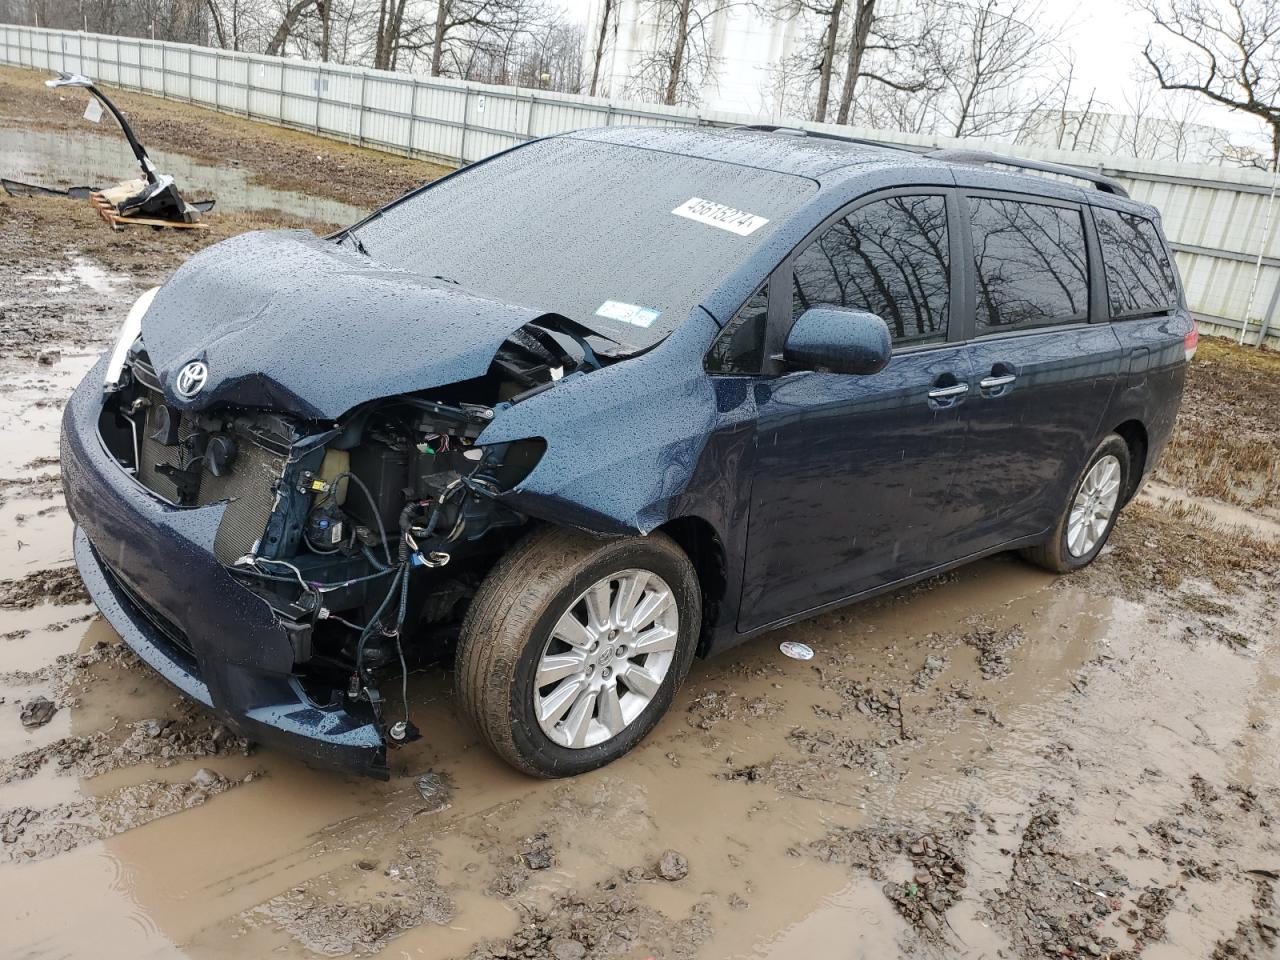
(1140, 276)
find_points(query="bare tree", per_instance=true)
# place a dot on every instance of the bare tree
(291, 15)
(682, 57)
(1223, 150)
(390, 32)
(887, 50)
(1137, 135)
(1227, 51)
(1181, 134)
(997, 75)
(608, 17)
(854, 41)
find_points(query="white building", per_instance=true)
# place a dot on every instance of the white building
(1118, 134)
(745, 46)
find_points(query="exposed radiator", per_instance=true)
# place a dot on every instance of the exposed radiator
(249, 487)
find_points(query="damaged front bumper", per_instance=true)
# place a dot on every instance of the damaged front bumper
(151, 569)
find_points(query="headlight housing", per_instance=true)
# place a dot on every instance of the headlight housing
(130, 330)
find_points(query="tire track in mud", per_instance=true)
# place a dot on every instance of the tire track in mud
(28, 834)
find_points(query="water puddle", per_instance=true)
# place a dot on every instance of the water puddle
(1226, 516)
(58, 159)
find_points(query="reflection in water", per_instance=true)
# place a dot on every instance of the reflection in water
(64, 159)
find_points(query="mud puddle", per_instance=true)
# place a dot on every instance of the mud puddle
(62, 159)
(1228, 516)
(990, 763)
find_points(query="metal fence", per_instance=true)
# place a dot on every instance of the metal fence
(1215, 217)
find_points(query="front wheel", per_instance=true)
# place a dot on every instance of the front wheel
(574, 647)
(1090, 512)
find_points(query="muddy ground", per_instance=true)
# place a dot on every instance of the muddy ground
(274, 156)
(996, 763)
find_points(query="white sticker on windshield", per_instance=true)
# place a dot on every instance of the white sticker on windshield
(718, 215)
(628, 313)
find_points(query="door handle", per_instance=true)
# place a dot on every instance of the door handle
(947, 393)
(991, 383)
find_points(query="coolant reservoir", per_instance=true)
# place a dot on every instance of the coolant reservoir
(336, 463)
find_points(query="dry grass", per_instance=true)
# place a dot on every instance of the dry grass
(1162, 546)
(1227, 440)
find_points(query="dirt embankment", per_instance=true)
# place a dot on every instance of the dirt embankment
(278, 157)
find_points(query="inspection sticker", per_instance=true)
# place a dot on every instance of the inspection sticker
(628, 313)
(718, 215)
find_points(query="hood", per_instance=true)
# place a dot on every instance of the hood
(285, 320)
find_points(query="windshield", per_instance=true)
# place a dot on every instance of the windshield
(623, 240)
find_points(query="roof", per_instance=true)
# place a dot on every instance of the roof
(818, 158)
(830, 160)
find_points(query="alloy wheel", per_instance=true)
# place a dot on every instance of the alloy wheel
(1094, 504)
(606, 658)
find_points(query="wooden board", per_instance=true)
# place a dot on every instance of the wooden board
(108, 213)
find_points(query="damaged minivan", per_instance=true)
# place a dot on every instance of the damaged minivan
(574, 415)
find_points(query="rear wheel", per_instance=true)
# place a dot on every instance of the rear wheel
(574, 647)
(1090, 512)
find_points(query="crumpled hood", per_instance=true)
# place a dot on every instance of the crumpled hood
(288, 321)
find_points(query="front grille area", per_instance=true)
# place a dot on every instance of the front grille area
(249, 487)
(180, 646)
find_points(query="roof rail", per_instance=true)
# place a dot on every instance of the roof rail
(822, 135)
(980, 157)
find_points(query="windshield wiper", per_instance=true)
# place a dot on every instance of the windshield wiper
(360, 247)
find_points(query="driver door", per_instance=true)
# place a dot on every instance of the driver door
(852, 474)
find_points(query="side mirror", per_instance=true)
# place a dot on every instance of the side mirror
(838, 340)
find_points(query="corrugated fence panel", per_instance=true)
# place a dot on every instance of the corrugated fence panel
(265, 79)
(203, 82)
(1214, 216)
(1219, 287)
(233, 84)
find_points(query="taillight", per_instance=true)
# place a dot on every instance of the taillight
(1191, 341)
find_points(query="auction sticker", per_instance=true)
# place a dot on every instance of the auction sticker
(718, 215)
(628, 313)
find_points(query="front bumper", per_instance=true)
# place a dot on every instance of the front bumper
(150, 568)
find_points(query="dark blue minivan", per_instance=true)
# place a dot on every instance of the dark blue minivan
(602, 403)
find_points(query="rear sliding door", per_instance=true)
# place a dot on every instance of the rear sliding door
(1043, 373)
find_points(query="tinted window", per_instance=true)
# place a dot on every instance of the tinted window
(589, 230)
(740, 346)
(888, 257)
(1140, 278)
(1032, 268)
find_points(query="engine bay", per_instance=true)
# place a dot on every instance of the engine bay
(367, 536)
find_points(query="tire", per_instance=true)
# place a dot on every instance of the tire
(1056, 553)
(517, 618)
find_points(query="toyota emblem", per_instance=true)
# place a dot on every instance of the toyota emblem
(192, 378)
